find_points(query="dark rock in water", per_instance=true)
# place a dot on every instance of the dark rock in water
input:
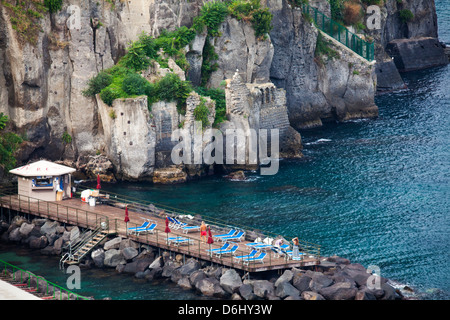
(417, 53)
(388, 77)
(301, 282)
(246, 292)
(365, 294)
(230, 281)
(339, 291)
(319, 281)
(236, 175)
(285, 289)
(39, 243)
(357, 272)
(263, 288)
(184, 283)
(196, 276)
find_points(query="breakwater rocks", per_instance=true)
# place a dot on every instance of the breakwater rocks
(335, 278)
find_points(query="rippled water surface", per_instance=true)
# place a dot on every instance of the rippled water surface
(374, 191)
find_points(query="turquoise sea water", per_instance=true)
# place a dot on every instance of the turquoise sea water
(374, 191)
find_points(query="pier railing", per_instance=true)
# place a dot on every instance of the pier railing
(308, 249)
(340, 33)
(42, 286)
(56, 211)
(193, 246)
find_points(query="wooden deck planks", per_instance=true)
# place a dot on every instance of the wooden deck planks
(74, 211)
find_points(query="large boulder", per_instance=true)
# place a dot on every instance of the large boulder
(113, 257)
(246, 292)
(38, 243)
(416, 53)
(112, 244)
(357, 272)
(25, 229)
(319, 281)
(339, 291)
(49, 227)
(285, 289)
(129, 253)
(196, 276)
(230, 281)
(137, 266)
(210, 287)
(15, 235)
(285, 277)
(98, 256)
(301, 281)
(263, 288)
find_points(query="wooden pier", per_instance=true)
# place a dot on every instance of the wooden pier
(110, 215)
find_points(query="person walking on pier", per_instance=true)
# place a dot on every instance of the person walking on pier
(295, 250)
(203, 231)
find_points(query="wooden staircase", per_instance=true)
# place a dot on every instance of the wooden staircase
(83, 247)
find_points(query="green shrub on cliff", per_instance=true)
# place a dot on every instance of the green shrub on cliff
(405, 15)
(212, 14)
(201, 113)
(53, 5)
(97, 83)
(9, 143)
(108, 96)
(134, 84)
(172, 88)
(251, 10)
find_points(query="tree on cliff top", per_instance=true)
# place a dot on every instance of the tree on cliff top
(9, 143)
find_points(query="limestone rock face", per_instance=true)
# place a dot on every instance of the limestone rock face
(256, 107)
(130, 136)
(339, 89)
(238, 48)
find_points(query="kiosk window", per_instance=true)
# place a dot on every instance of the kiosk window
(44, 182)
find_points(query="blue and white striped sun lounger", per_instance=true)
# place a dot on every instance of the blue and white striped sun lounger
(224, 247)
(229, 234)
(225, 252)
(149, 228)
(144, 225)
(180, 240)
(259, 258)
(237, 237)
(250, 255)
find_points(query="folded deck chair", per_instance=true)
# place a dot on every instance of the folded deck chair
(188, 228)
(173, 223)
(229, 251)
(237, 237)
(289, 254)
(251, 244)
(262, 246)
(224, 247)
(144, 225)
(149, 228)
(229, 234)
(250, 255)
(181, 240)
(179, 223)
(277, 252)
(259, 258)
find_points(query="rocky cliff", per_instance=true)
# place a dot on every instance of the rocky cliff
(47, 60)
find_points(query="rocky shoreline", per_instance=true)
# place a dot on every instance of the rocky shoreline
(335, 278)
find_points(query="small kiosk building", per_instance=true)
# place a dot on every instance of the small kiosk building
(44, 180)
